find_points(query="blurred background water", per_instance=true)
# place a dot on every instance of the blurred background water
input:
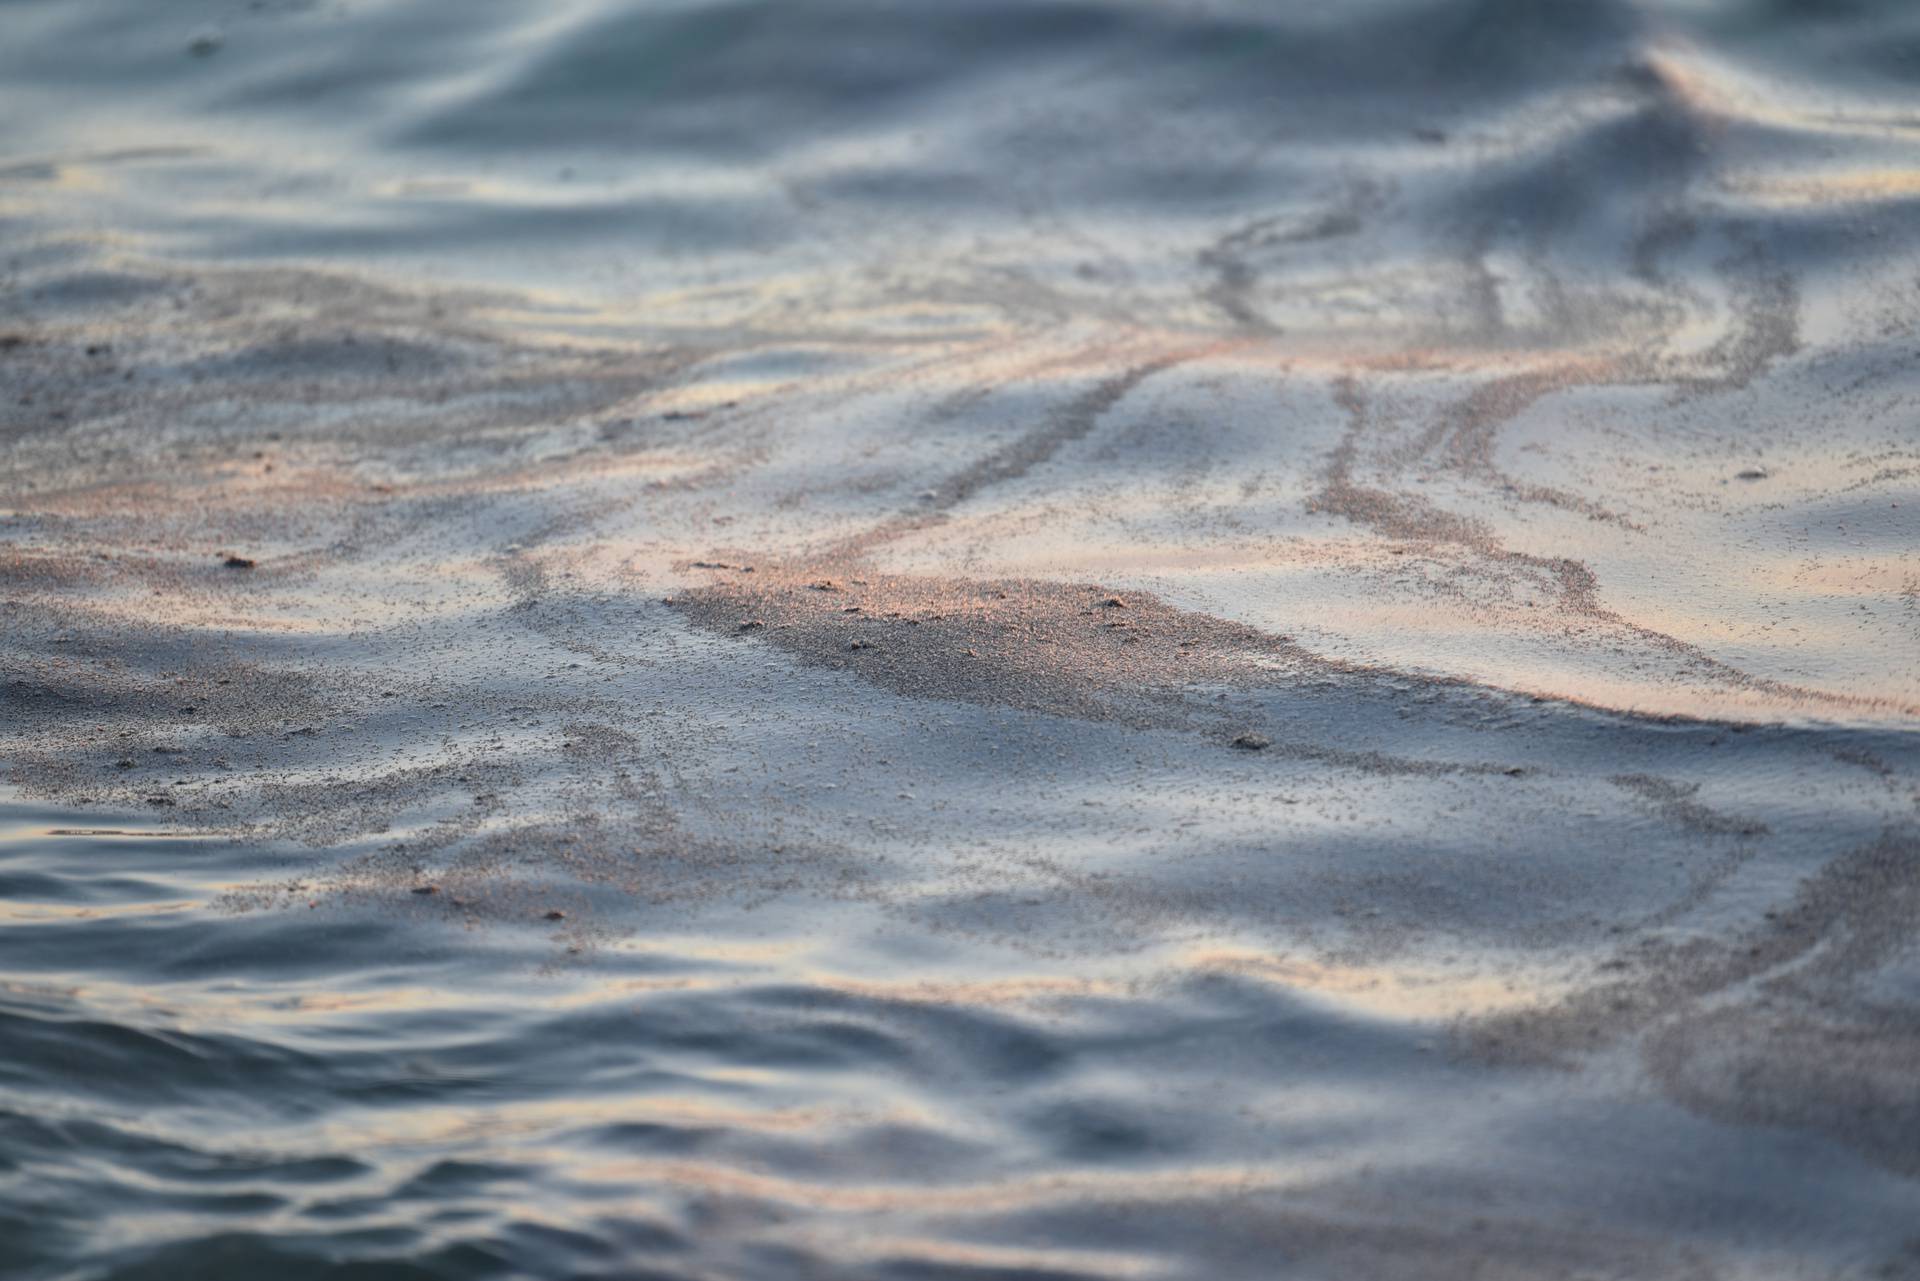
(766, 162)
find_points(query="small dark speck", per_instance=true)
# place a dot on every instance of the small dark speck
(556, 915)
(1751, 473)
(239, 562)
(426, 889)
(1252, 742)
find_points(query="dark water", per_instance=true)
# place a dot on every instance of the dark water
(987, 1069)
(959, 641)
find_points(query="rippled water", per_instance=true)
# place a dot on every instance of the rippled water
(974, 640)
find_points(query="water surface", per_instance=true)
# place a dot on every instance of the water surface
(985, 640)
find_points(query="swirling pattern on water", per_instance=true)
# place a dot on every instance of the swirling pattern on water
(1048, 640)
